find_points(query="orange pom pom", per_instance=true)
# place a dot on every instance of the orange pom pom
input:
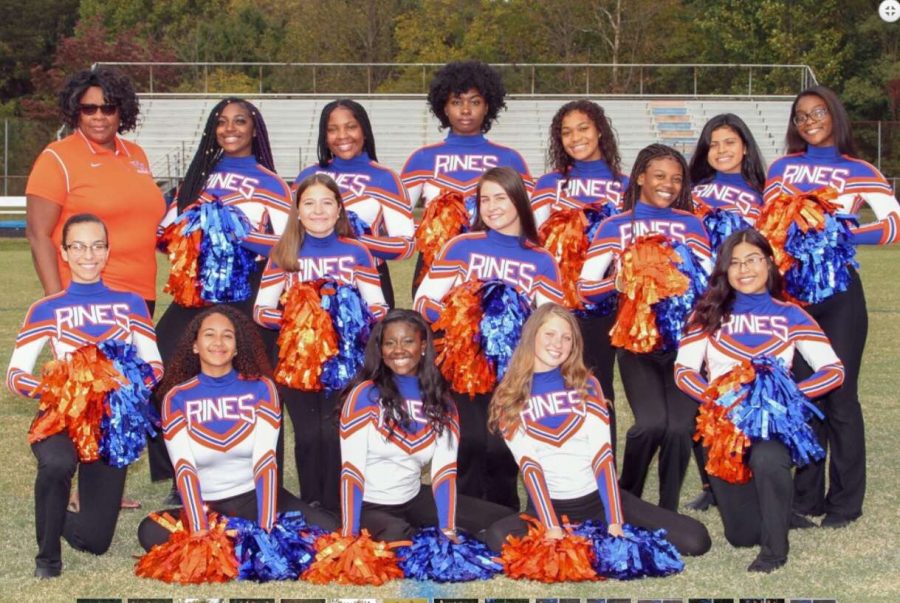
(563, 236)
(353, 560)
(536, 557)
(73, 398)
(188, 558)
(460, 357)
(184, 254)
(444, 218)
(648, 273)
(806, 210)
(307, 339)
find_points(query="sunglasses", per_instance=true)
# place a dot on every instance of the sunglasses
(92, 109)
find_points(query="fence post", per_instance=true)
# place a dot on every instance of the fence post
(151, 79)
(587, 81)
(532, 80)
(314, 79)
(206, 78)
(641, 81)
(695, 81)
(260, 80)
(750, 81)
(368, 79)
(5, 157)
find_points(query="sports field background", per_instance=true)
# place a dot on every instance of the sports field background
(858, 563)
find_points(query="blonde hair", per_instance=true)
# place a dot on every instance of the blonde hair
(515, 388)
(285, 251)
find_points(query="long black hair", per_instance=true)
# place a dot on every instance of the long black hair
(753, 168)
(359, 114)
(117, 89)
(510, 181)
(645, 156)
(209, 152)
(458, 77)
(436, 402)
(840, 123)
(716, 305)
(609, 148)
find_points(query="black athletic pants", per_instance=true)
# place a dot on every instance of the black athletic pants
(486, 468)
(759, 512)
(664, 419)
(401, 522)
(169, 331)
(845, 320)
(317, 446)
(387, 287)
(688, 535)
(150, 533)
(600, 358)
(420, 266)
(100, 488)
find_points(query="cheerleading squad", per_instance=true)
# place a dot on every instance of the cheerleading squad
(701, 280)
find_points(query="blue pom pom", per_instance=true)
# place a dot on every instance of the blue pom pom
(130, 418)
(774, 407)
(672, 313)
(352, 322)
(720, 224)
(472, 210)
(224, 265)
(505, 312)
(594, 217)
(357, 224)
(282, 554)
(433, 556)
(824, 259)
(639, 553)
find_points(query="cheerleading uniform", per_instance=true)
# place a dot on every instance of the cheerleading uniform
(759, 511)
(316, 447)
(82, 314)
(844, 319)
(588, 184)
(664, 417)
(382, 470)
(265, 200)
(376, 195)
(455, 164)
(729, 192)
(563, 449)
(221, 433)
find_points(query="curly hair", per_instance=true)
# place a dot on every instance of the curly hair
(840, 123)
(753, 168)
(458, 77)
(117, 89)
(250, 361)
(715, 306)
(209, 152)
(436, 402)
(561, 161)
(645, 156)
(324, 154)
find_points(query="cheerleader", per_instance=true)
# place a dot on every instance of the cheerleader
(503, 246)
(370, 190)
(821, 153)
(657, 201)
(233, 165)
(221, 418)
(86, 312)
(398, 417)
(740, 317)
(553, 417)
(319, 246)
(465, 96)
(587, 174)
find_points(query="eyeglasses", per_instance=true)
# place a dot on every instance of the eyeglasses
(79, 248)
(91, 109)
(754, 261)
(817, 114)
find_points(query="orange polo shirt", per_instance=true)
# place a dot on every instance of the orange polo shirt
(82, 177)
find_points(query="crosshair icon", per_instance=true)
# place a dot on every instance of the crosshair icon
(889, 11)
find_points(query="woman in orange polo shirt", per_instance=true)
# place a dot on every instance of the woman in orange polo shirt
(95, 171)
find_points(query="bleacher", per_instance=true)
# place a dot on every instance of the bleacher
(170, 129)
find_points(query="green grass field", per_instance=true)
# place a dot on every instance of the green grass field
(852, 564)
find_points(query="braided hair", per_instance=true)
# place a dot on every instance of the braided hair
(646, 155)
(209, 152)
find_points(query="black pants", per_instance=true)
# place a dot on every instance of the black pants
(169, 331)
(600, 358)
(401, 522)
(845, 320)
(317, 447)
(486, 468)
(387, 287)
(664, 419)
(688, 535)
(417, 271)
(150, 533)
(100, 488)
(759, 512)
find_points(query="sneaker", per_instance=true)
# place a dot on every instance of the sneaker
(45, 573)
(799, 522)
(173, 499)
(765, 566)
(703, 501)
(833, 520)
